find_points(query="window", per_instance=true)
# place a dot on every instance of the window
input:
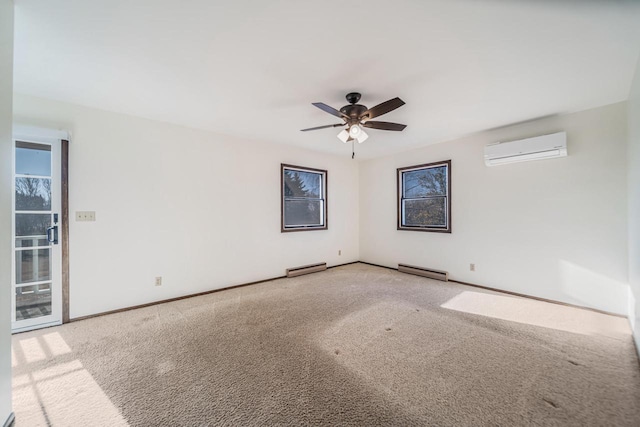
(424, 197)
(304, 198)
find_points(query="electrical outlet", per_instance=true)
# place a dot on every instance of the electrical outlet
(85, 215)
(472, 267)
(340, 252)
(159, 281)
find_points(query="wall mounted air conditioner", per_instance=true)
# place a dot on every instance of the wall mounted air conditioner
(524, 150)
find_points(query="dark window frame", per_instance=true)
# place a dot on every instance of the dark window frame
(400, 193)
(325, 181)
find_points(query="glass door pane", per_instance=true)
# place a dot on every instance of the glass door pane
(33, 301)
(33, 194)
(33, 265)
(31, 229)
(33, 159)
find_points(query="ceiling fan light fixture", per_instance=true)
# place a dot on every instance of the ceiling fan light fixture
(355, 131)
(362, 137)
(343, 136)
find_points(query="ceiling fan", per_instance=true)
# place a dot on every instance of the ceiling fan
(356, 116)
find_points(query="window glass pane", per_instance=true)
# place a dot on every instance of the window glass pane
(424, 212)
(425, 182)
(32, 265)
(32, 224)
(33, 194)
(33, 301)
(33, 159)
(302, 184)
(303, 212)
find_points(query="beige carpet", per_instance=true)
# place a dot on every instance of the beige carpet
(355, 345)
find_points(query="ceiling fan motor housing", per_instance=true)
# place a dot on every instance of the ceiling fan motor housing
(353, 111)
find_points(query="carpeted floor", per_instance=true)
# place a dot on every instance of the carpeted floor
(355, 345)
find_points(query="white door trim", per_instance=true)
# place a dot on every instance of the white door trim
(39, 134)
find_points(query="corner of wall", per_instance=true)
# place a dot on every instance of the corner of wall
(359, 212)
(633, 203)
(632, 322)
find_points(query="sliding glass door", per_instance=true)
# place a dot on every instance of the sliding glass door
(36, 273)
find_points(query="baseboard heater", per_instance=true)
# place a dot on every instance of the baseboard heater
(306, 269)
(425, 272)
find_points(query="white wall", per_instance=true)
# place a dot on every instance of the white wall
(196, 208)
(199, 209)
(554, 229)
(6, 90)
(634, 205)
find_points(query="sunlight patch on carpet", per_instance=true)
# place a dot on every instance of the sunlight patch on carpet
(58, 390)
(539, 313)
(32, 350)
(56, 344)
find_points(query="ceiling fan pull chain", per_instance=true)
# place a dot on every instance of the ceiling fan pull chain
(353, 150)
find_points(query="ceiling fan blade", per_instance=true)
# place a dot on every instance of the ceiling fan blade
(324, 107)
(383, 108)
(383, 125)
(323, 127)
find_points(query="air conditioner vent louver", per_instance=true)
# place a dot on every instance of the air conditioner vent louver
(424, 272)
(306, 269)
(524, 150)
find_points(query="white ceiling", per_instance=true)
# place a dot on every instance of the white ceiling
(252, 68)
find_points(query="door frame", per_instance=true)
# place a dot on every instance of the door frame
(64, 228)
(45, 135)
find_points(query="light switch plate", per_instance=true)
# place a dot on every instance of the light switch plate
(85, 215)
